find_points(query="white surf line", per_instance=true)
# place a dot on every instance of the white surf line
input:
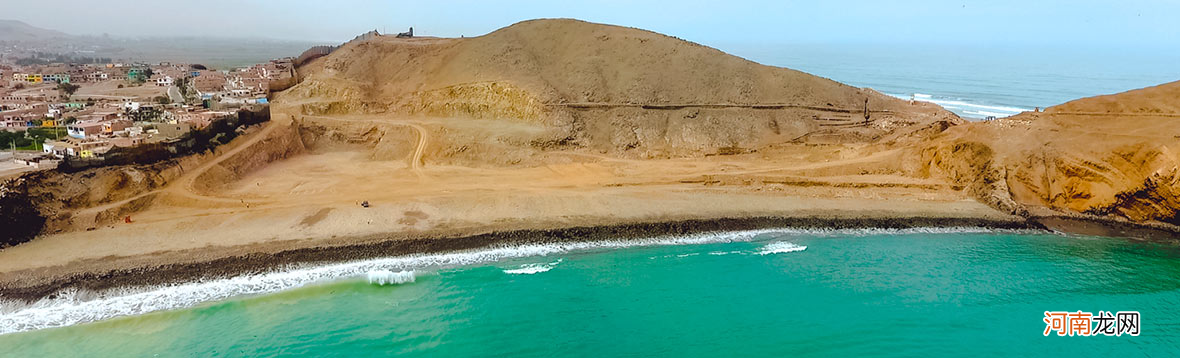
(975, 110)
(72, 306)
(780, 247)
(532, 269)
(387, 277)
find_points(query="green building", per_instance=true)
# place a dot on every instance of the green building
(138, 74)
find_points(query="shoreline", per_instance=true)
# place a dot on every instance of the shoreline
(33, 286)
(220, 262)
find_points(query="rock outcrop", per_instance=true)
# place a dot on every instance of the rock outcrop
(1112, 156)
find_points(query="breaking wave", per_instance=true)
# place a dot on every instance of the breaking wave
(73, 306)
(780, 247)
(530, 269)
(384, 277)
(965, 107)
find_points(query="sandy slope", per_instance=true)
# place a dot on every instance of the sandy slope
(1113, 155)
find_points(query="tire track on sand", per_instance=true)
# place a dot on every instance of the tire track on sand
(423, 138)
(184, 185)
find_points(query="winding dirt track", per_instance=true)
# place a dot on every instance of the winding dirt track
(185, 185)
(423, 138)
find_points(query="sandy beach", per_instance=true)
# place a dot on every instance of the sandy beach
(310, 205)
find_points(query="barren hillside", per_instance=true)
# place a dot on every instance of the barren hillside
(1162, 100)
(1113, 155)
(618, 90)
(18, 31)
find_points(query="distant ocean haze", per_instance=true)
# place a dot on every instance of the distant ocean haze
(976, 81)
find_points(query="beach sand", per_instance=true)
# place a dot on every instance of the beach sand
(312, 200)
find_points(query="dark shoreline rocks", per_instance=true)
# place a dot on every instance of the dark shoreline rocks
(392, 245)
(262, 262)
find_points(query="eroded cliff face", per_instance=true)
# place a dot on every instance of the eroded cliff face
(619, 91)
(54, 201)
(18, 214)
(971, 166)
(49, 201)
(1105, 156)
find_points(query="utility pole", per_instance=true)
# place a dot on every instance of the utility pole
(866, 110)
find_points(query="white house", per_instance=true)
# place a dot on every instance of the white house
(164, 82)
(48, 148)
(130, 105)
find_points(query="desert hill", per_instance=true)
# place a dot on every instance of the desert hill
(18, 31)
(1111, 156)
(618, 90)
(570, 61)
(1161, 99)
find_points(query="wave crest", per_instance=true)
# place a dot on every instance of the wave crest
(780, 247)
(383, 277)
(532, 269)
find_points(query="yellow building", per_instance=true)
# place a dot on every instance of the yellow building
(49, 123)
(86, 153)
(34, 78)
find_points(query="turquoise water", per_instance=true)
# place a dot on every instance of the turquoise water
(846, 294)
(977, 81)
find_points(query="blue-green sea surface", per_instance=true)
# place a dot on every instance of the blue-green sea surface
(777, 294)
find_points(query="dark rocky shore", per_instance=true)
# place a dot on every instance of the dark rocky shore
(395, 246)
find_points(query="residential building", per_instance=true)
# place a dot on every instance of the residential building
(110, 127)
(58, 77)
(137, 74)
(14, 124)
(169, 130)
(81, 130)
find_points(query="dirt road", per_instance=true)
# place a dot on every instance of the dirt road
(416, 161)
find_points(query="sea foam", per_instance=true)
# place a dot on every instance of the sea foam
(71, 306)
(384, 277)
(781, 247)
(974, 110)
(532, 269)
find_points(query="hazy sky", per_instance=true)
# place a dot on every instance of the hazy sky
(1086, 23)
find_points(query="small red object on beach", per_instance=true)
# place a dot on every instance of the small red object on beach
(127, 219)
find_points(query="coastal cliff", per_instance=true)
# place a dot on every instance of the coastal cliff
(1110, 156)
(551, 124)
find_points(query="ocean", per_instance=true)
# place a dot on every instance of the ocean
(978, 81)
(917, 292)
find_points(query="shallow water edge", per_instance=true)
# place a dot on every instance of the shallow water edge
(390, 246)
(257, 263)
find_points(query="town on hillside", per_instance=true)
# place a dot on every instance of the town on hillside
(74, 108)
